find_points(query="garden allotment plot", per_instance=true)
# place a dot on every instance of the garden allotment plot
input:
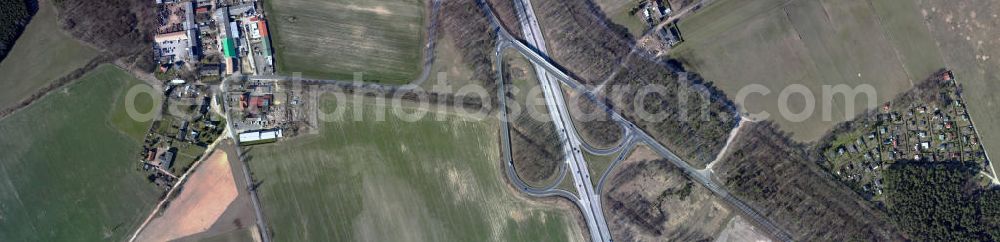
(334, 39)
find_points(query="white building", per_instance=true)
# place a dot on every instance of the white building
(260, 136)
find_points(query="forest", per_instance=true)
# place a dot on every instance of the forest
(596, 127)
(14, 17)
(939, 201)
(777, 177)
(123, 28)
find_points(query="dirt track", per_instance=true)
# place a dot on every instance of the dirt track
(202, 200)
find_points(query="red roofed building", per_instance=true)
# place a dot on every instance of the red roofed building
(260, 101)
(262, 27)
(946, 76)
(243, 102)
(151, 155)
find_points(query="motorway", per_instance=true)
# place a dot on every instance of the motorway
(588, 198)
(544, 65)
(550, 77)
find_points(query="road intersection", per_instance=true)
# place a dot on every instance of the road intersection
(551, 79)
(588, 200)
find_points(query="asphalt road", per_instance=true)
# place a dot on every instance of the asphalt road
(550, 76)
(542, 62)
(588, 197)
(629, 144)
(506, 148)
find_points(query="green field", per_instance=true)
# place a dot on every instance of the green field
(335, 39)
(142, 103)
(778, 43)
(66, 172)
(41, 55)
(397, 181)
(597, 165)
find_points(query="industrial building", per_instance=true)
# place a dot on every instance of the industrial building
(178, 44)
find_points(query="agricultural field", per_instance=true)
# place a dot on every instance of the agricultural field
(66, 172)
(968, 37)
(236, 223)
(777, 43)
(41, 55)
(241, 235)
(395, 180)
(620, 12)
(335, 39)
(143, 103)
(201, 202)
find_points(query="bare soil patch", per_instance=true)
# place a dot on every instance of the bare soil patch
(739, 229)
(200, 203)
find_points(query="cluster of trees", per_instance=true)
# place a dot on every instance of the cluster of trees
(123, 28)
(535, 145)
(940, 202)
(630, 207)
(641, 198)
(639, 5)
(683, 112)
(507, 13)
(581, 39)
(465, 22)
(777, 177)
(14, 16)
(598, 130)
(536, 149)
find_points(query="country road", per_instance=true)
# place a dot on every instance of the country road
(262, 227)
(551, 78)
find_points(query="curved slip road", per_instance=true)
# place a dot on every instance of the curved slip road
(703, 177)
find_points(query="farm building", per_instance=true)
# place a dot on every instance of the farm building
(262, 136)
(167, 159)
(209, 70)
(175, 46)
